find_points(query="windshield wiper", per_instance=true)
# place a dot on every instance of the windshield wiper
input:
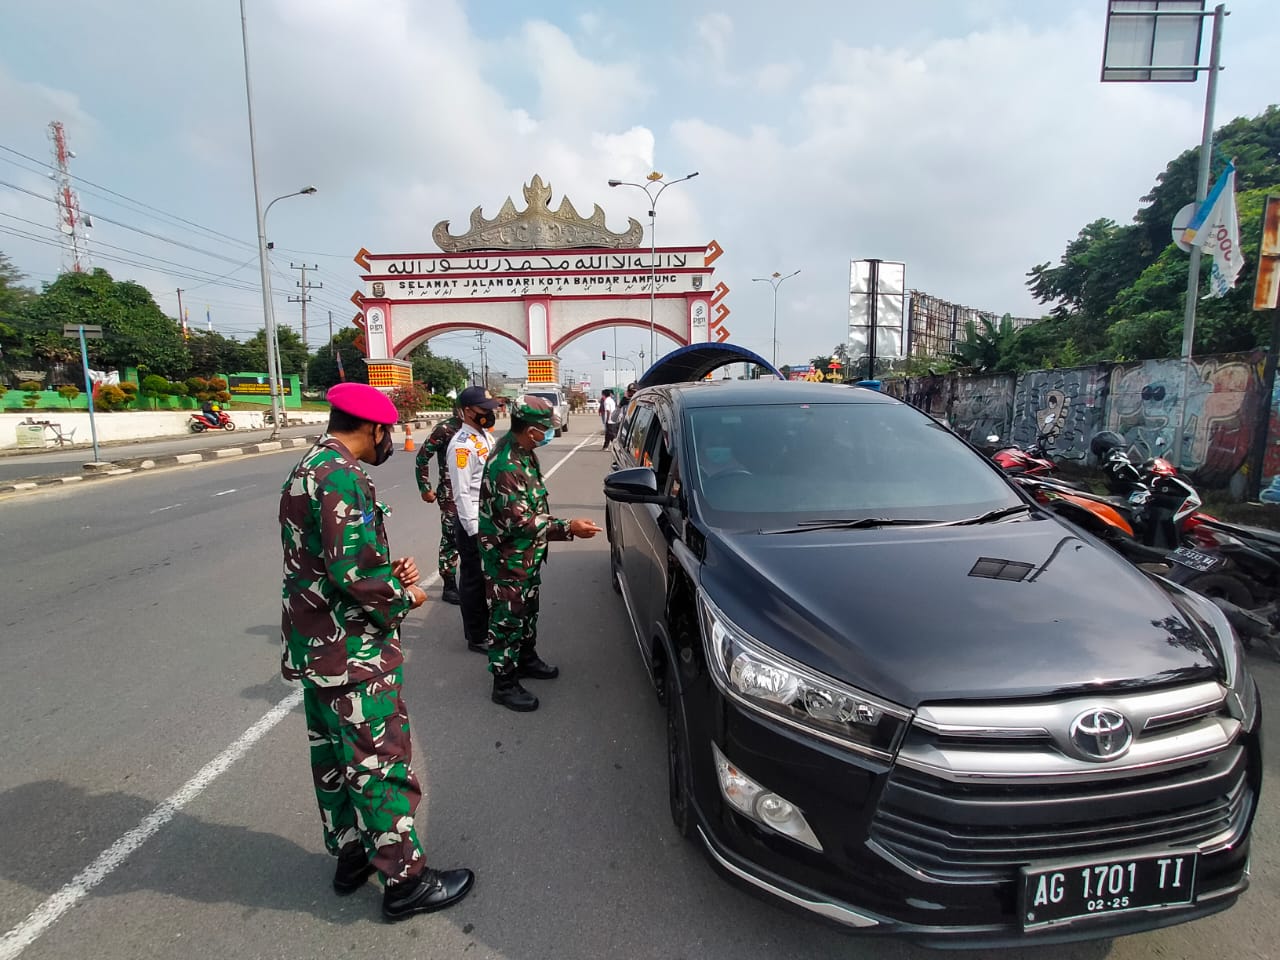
(862, 523)
(991, 515)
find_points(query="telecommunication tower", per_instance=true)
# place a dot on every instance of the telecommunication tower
(72, 225)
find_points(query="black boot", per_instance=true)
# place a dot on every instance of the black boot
(450, 592)
(353, 870)
(431, 890)
(533, 667)
(478, 646)
(508, 692)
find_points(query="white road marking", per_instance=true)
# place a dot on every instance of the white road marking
(581, 443)
(163, 509)
(44, 916)
(49, 912)
(223, 493)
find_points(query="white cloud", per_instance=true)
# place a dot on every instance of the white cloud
(715, 31)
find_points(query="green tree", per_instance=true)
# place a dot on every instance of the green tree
(322, 371)
(135, 331)
(986, 346)
(14, 299)
(440, 374)
(211, 353)
(293, 352)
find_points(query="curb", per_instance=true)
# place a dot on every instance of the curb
(146, 464)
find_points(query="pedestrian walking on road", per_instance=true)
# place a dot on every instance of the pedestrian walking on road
(608, 407)
(465, 458)
(437, 446)
(515, 526)
(343, 601)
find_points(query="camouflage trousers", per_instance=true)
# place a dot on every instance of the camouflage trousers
(448, 562)
(360, 761)
(513, 622)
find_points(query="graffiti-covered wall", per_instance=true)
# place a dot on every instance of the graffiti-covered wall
(1139, 401)
(1222, 409)
(982, 406)
(1065, 407)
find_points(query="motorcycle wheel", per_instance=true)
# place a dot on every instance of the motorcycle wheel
(1221, 586)
(229, 426)
(197, 427)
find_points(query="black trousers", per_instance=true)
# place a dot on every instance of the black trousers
(474, 607)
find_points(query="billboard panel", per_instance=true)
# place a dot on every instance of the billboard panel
(882, 310)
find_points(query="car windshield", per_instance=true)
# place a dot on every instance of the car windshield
(806, 463)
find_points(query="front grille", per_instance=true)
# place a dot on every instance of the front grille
(974, 801)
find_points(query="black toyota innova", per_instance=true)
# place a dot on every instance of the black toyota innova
(904, 698)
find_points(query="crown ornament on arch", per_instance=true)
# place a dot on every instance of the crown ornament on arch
(537, 227)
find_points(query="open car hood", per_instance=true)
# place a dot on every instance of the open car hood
(695, 361)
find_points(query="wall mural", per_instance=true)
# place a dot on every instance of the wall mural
(1222, 405)
(1064, 406)
(1270, 492)
(982, 406)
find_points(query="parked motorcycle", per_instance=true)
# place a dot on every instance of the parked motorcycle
(199, 423)
(1032, 461)
(1238, 568)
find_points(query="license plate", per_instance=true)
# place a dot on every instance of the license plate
(1067, 892)
(1194, 559)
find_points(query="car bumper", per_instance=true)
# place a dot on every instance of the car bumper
(855, 883)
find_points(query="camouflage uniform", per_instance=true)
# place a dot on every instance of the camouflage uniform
(342, 609)
(515, 526)
(436, 446)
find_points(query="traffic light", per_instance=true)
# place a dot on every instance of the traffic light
(604, 355)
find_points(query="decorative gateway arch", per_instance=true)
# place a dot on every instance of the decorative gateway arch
(539, 277)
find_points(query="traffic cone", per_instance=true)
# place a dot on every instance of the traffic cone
(408, 438)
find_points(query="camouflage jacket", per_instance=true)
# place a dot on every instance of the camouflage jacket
(436, 446)
(342, 605)
(515, 522)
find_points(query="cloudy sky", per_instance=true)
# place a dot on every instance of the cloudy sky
(970, 139)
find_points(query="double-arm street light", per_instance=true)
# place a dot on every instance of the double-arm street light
(775, 280)
(278, 417)
(654, 180)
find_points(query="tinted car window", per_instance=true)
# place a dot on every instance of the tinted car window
(638, 431)
(783, 463)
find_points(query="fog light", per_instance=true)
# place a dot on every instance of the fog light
(765, 808)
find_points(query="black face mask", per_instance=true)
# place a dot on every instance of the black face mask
(385, 448)
(486, 419)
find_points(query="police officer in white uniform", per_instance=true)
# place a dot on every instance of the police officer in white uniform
(465, 458)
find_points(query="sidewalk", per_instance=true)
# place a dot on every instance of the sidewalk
(29, 466)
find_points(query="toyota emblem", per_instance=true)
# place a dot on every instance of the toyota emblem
(1101, 734)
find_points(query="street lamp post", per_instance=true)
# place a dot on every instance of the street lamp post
(276, 373)
(653, 179)
(774, 280)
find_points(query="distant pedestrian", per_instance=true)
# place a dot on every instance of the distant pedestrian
(608, 408)
(437, 446)
(466, 456)
(343, 601)
(515, 526)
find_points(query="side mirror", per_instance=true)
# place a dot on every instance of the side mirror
(634, 485)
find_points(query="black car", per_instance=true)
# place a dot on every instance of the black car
(901, 696)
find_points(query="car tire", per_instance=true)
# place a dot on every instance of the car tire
(1221, 586)
(677, 759)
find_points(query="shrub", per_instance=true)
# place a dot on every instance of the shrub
(198, 387)
(68, 393)
(154, 387)
(408, 400)
(129, 387)
(179, 389)
(109, 397)
(222, 396)
(217, 384)
(32, 388)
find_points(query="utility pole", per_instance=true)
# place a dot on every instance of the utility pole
(331, 349)
(303, 298)
(182, 317)
(484, 362)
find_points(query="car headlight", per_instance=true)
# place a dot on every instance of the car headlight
(1242, 698)
(770, 683)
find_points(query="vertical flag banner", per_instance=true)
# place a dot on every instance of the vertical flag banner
(207, 318)
(1215, 229)
(342, 374)
(186, 334)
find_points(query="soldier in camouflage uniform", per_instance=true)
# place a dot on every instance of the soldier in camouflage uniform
(436, 446)
(515, 526)
(343, 601)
